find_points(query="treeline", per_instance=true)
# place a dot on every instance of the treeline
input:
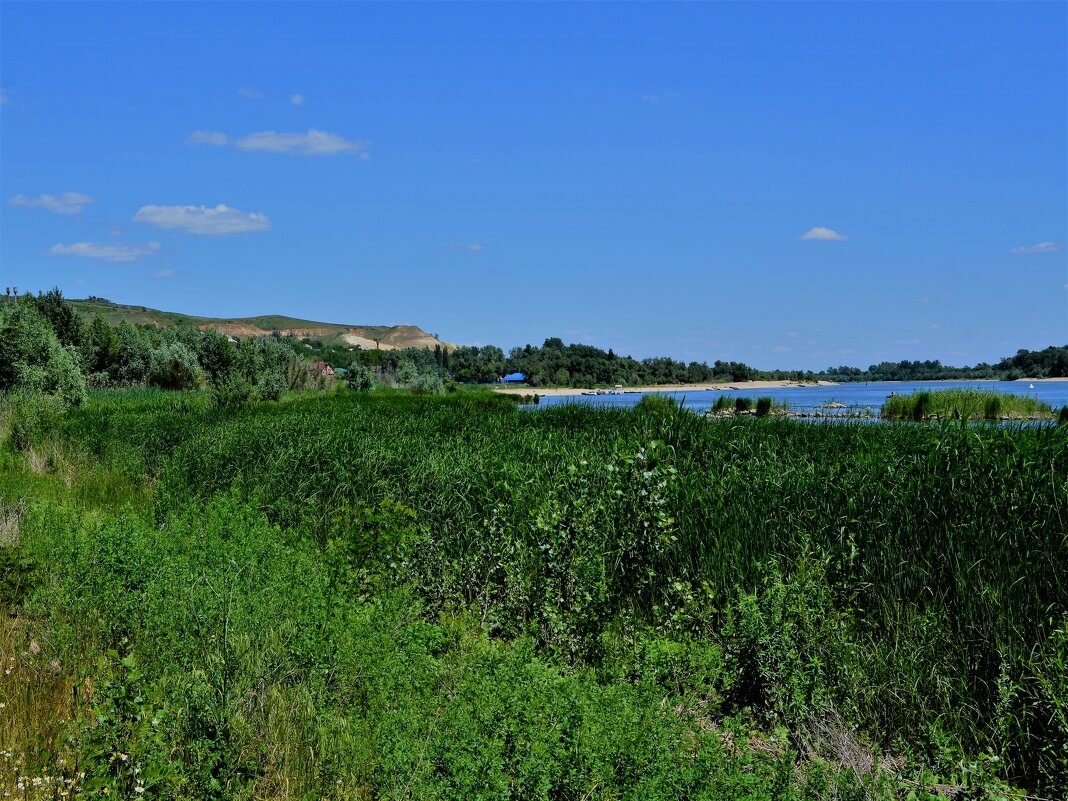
(551, 364)
(1049, 363)
(557, 364)
(46, 347)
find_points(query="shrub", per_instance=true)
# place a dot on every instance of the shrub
(359, 377)
(428, 384)
(656, 403)
(763, 407)
(173, 366)
(270, 385)
(231, 389)
(742, 404)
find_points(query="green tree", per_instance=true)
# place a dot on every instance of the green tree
(26, 341)
(102, 347)
(66, 323)
(32, 358)
(135, 348)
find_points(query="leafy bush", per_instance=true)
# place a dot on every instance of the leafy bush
(32, 358)
(763, 407)
(359, 377)
(173, 366)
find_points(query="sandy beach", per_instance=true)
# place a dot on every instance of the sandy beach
(741, 386)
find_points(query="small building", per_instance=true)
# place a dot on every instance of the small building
(514, 378)
(318, 368)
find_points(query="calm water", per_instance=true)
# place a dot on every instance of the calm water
(856, 397)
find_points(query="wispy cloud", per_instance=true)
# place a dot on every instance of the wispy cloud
(214, 138)
(5, 95)
(1041, 247)
(93, 250)
(473, 248)
(250, 93)
(164, 274)
(296, 100)
(662, 97)
(824, 235)
(67, 203)
(312, 143)
(781, 349)
(222, 219)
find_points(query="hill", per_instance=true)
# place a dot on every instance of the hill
(385, 337)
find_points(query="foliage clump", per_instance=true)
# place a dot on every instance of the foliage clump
(964, 403)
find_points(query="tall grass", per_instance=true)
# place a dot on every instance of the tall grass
(965, 403)
(907, 578)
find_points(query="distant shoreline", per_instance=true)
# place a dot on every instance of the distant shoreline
(740, 386)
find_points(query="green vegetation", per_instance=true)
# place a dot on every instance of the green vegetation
(249, 591)
(324, 334)
(551, 364)
(380, 595)
(965, 403)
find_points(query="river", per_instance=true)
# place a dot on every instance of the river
(856, 397)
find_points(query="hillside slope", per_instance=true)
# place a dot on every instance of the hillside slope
(386, 337)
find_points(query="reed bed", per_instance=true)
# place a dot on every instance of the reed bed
(972, 404)
(907, 579)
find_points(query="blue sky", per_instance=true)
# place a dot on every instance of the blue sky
(791, 185)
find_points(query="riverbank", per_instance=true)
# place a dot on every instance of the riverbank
(741, 386)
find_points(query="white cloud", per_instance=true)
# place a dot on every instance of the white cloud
(313, 143)
(1041, 247)
(296, 100)
(92, 250)
(67, 203)
(475, 247)
(164, 274)
(203, 220)
(214, 138)
(5, 95)
(781, 349)
(252, 94)
(824, 234)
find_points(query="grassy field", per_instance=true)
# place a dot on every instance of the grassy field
(349, 596)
